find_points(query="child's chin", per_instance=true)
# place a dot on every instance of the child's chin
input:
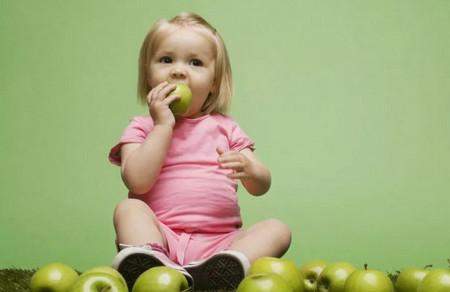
(190, 115)
(184, 116)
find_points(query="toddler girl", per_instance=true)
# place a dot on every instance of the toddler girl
(182, 171)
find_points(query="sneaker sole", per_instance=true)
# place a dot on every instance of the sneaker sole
(135, 264)
(221, 272)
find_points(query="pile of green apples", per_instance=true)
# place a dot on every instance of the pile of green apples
(281, 275)
(58, 277)
(266, 274)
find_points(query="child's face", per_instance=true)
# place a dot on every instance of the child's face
(185, 56)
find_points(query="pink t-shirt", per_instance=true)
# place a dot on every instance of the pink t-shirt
(192, 194)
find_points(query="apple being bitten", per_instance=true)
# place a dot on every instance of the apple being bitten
(181, 105)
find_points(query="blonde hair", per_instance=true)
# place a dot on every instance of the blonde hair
(218, 101)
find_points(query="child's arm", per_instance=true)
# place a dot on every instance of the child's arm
(141, 163)
(255, 177)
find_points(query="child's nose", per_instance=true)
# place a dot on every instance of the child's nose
(178, 73)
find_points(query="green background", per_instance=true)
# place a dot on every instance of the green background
(348, 101)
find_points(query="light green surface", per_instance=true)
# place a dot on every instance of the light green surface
(348, 101)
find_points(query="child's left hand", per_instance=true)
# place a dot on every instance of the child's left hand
(253, 174)
(242, 166)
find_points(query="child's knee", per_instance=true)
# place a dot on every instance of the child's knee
(281, 231)
(130, 206)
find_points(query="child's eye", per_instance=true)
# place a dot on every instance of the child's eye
(165, 59)
(196, 62)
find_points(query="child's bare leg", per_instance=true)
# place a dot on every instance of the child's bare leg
(267, 238)
(136, 224)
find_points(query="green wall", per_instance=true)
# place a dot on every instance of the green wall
(348, 101)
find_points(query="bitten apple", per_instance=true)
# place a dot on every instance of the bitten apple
(181, 106)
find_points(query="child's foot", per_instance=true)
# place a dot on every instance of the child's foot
(132, 261)
(222, 271)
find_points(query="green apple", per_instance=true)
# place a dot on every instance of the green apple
(268, 282)
(311, 271)
(54, 277)
(437, 280)
(285, 268)
(159, 279)
(409, 279)
(181, 106)
(333, 277)
(98, 282)
(107, 270)
(368, 281)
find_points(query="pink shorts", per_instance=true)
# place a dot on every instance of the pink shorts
(184, 248)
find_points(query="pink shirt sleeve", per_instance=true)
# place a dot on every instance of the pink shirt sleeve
(239, 139)
(136, 132)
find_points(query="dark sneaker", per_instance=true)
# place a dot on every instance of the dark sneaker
(222, 271)
(132, 261)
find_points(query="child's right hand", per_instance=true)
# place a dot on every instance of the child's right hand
(158, 101)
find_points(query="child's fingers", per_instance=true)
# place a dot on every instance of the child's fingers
(166, 90)
(168, 100)
(225, 154)
(220, 150)
(238, 175)
(229, 157)
(238, 166)
(154, 92)
(160, 92)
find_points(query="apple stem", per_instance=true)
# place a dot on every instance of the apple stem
(428, 266)
(365, 266)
